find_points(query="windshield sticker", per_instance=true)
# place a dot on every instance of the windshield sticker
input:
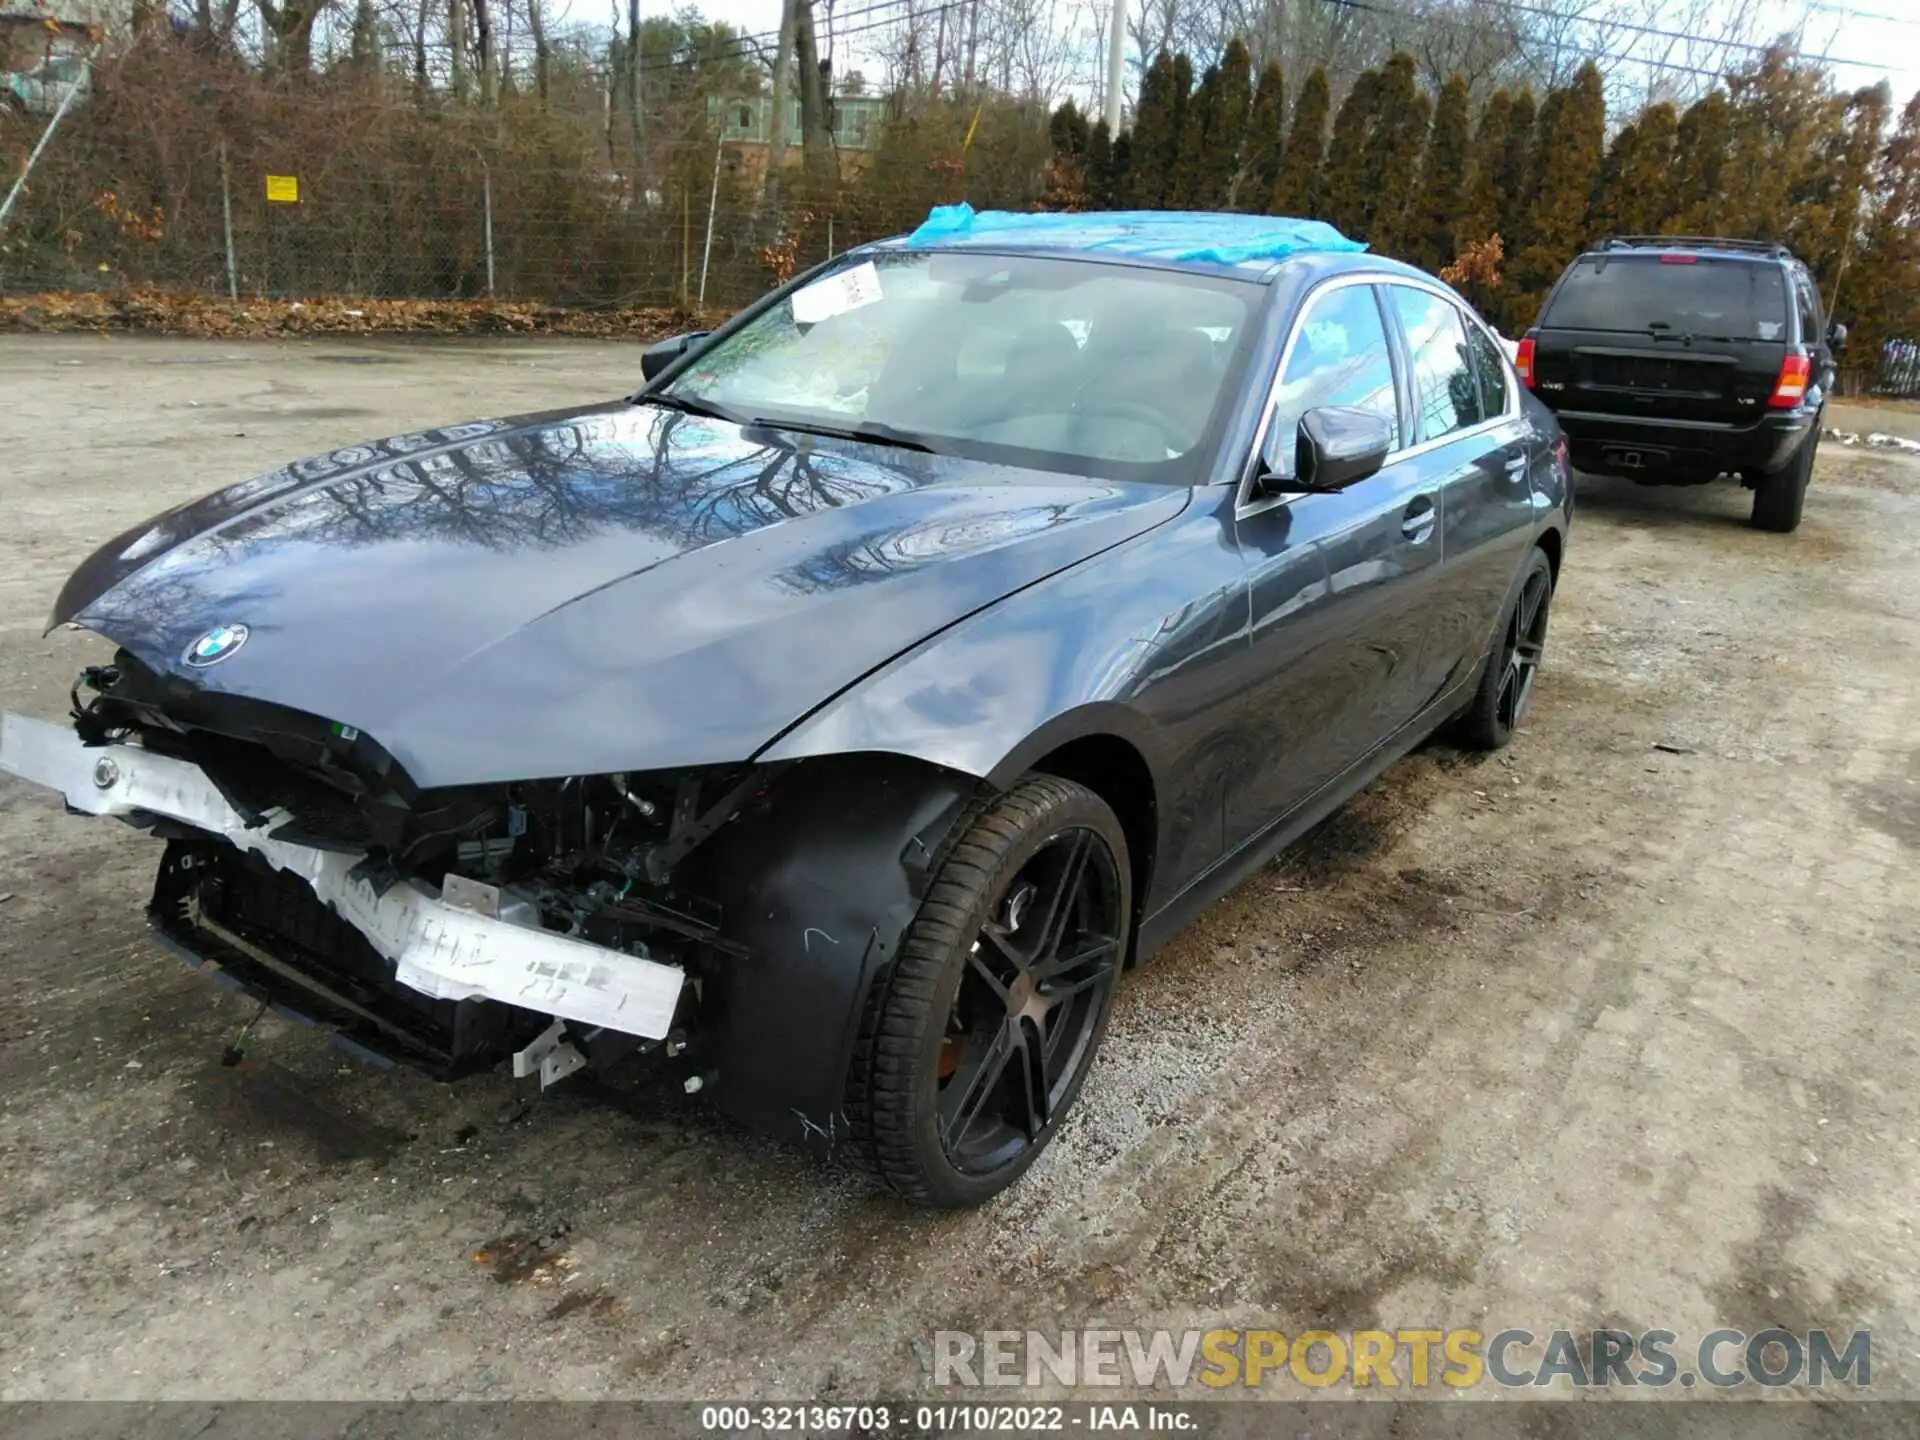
(1769, 329)
(837, 294)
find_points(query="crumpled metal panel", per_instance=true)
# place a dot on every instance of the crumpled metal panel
(439, 949)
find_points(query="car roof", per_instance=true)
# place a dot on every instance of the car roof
(1247, 246)
(1706, 247)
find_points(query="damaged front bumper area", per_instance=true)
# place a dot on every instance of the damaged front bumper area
(397, 964)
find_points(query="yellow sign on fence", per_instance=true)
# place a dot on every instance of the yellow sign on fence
(283, 189)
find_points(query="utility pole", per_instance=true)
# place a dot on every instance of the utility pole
(1116, 61)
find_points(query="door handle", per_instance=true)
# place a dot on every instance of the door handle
(1417, 523)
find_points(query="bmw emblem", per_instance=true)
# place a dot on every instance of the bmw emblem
(216, 645)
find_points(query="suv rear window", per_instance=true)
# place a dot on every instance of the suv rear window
(1708, 298)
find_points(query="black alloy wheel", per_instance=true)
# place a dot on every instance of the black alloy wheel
(982, 1035)
(1506, 684)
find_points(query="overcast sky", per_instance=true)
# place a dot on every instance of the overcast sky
(1882, 34)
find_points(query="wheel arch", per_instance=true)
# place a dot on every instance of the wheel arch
(1555, 545)
(817, 885)
(1115, 770)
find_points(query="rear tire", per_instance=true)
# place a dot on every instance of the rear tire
(1506, 683)
(1779, 496)
(978, 1040)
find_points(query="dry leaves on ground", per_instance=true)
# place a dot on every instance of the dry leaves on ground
(160, 313)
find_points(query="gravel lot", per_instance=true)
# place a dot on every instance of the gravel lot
(1618, 1027)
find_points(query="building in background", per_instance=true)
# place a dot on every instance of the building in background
(42, 45)
(855, 121)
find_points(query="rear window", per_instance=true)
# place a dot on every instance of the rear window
(1641, 294)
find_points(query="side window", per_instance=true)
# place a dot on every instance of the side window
(1491, 365)
(1446, 396)
(1339, 357)
(1809, 321)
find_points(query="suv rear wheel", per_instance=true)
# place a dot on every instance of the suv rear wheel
(1780, 495)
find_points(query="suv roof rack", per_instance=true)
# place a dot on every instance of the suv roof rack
(1694, 242)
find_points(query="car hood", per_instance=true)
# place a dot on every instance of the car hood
(618, 588)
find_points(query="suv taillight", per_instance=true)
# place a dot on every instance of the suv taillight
(1523, 362)
(1791, 388)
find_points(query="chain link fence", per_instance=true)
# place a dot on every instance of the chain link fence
(178, 173)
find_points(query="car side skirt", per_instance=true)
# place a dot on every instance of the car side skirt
(1226, 873)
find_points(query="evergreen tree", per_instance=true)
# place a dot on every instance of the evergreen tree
(1784, 116)
(1566, 162)
(1653, 182)
(1609, 203)
(1152, 136)
(1390, 165)
(1265, 144)
(1485, 204)
(1429, 234)
(1067, 136)
(1100, 186)
(1293, 194)
(1187, 181)
(1700, 162)
(1635, 188)
(1516, 173)
(1224, 133)
(1181, 114)
(1845, 169)
(1067, 132)
(1339, 198)
(1120, 170)
(1880, 293)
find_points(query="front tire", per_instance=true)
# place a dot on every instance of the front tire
(978, 1040)
(1506, 684)
(1779, 496)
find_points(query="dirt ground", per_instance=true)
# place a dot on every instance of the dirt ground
(1616, 1028)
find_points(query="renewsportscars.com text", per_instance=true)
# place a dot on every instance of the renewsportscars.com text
(1407, 1358)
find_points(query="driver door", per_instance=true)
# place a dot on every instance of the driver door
(1342, 586)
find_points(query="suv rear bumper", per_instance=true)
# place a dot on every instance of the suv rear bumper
(1682, 452)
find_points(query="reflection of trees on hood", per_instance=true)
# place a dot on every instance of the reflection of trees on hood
(170, 602)
(548, 486)
(557, 485)
(678, 479)
(913, 546)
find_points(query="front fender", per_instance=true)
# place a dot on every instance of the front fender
(819, 885)
(1145, 643)
(1074, 655)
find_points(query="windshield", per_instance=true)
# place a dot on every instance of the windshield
(1706, 298)
(1074, 365)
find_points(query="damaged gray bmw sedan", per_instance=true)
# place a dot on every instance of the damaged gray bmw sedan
(833, 721)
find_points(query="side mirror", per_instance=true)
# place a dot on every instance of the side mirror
(662, 353)
(1335, 446)
(1836, 337)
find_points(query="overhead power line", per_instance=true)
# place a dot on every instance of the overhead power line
(1516, 8)
(746, 45)
(1853, 14)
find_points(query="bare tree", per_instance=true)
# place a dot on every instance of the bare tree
(485, 59)
(290, 28)
(815, 138)
(542, 54)
(782, 99)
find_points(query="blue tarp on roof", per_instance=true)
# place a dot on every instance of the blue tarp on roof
(1198, 236)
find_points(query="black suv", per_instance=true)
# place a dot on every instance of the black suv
(1674, 359)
